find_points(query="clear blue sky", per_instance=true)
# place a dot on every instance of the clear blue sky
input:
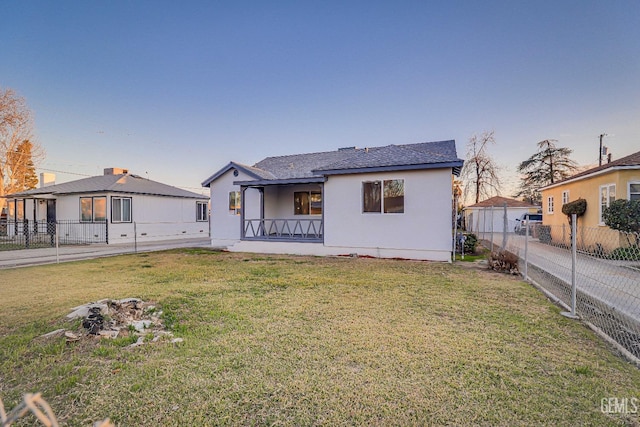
(175, 90)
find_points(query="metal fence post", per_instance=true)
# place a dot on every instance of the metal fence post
(526, 249)
(492, 228)
(25, 231)
(57, 244)
(135, 238)
(574, 261)
(504, 229)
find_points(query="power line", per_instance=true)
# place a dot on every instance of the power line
(65, 172)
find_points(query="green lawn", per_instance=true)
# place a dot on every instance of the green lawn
(294, 341)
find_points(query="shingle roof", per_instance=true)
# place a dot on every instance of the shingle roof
(499, 201)
(123, 183)
(352, 160)
(627, 161)
(397, 155)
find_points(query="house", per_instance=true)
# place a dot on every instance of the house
(391, 201)
(599, 186)
(116, 207)
(488, 215)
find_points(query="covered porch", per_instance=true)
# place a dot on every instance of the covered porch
(282, 210)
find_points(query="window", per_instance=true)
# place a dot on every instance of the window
(383, 196)
(371, 197)
(20, 210)
(607, 195)
(307, 202)
(93, 209)
(121, 209)
(234, 202)
(565, 197)
(550, 206)
(393, 200)
(634, 191)
(202, 210)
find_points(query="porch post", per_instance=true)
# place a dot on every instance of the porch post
(322, 215)
(262, 222)
(242, 190)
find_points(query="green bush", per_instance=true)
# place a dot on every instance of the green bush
(470, 243)
(578, 207)
(626, 254)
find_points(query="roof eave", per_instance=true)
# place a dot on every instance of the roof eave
(455, 166)
(590, 175)
(231, 165)
(267, 182)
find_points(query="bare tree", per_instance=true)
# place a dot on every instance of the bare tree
(18, 152)
(480, 172)
(548, 165)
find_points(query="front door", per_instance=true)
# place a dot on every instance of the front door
(51, 210)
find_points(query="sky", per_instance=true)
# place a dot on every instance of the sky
(173, 91)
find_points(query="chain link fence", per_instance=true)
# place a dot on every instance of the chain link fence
(594, 272)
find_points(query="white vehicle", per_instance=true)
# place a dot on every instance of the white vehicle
(521, 223)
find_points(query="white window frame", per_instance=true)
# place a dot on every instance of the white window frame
(550, 205)
(93, 208)
(565, 197)
(202, 212)
(608, 188)
(237, 203)
(383, 209)
(629, 193)
(117, 219)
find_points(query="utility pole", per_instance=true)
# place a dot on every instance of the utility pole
(602, 135)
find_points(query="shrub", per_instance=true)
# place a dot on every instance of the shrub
(624, 215)
(626, 254)
(578, 207)
(470, 243)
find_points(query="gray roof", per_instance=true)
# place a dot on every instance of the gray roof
(123, 183)
(426, 155)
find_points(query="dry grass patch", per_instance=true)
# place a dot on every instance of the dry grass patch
(308, 341)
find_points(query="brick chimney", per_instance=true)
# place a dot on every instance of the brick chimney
(115, 171)
(47, 179)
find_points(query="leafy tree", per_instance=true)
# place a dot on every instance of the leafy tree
(624, 215)
(480, 172)
(21, 163)
(18, 152)
(548, 165)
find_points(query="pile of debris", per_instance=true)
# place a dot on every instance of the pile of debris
(504, 261)
(109, 318)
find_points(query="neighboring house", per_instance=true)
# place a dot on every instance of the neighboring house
(116, 207)
(599, 186)
(392, 201)
(489, 215)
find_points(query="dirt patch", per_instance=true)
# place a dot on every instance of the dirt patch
(112, 319)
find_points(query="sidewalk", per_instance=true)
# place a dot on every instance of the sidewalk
(28, 257)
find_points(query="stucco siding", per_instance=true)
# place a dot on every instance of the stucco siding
(588, 189)
(425, 224)
(225, 226)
